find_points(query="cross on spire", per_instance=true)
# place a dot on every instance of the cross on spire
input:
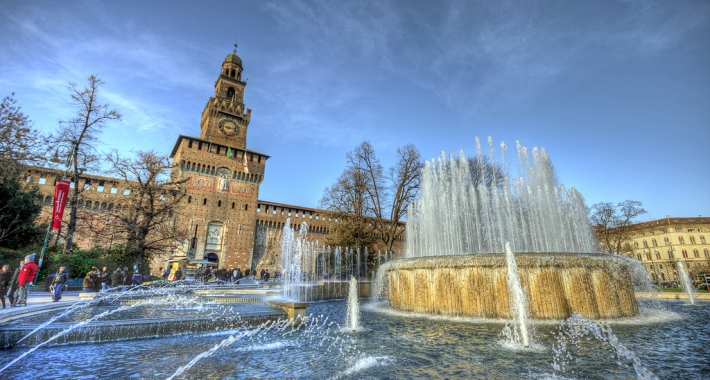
(235, 44)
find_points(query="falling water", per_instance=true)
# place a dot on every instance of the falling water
(575, 331)
(458, 214)
(517, 297)
(297, 253)
(686, 282)
(353, 317)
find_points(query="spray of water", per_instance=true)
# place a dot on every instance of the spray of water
(517, 297)
(460, 214)
(353, 316)
(686, 282)
(573, 332)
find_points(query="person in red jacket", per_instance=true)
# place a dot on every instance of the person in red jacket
(24, 279)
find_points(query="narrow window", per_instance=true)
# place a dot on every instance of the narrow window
(233, 205)
(189, 199)
(696, 253)
(219, 203)
(685, 254)
(658, 255)
(645, 244)
(681, 240)
(100, 188)
(204, 202)
(655, 243)
(692, 239)
(246, 207)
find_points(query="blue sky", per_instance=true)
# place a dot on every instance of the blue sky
(618, 92)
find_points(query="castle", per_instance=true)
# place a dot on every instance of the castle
(227, 225)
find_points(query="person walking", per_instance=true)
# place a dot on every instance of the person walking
(60, 278)
(25, 279)
(13, 283)
(5, 280)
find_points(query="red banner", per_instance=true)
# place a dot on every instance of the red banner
(61, 190)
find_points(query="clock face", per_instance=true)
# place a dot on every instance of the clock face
(228, 127)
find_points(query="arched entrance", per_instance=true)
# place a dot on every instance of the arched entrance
(212, 257)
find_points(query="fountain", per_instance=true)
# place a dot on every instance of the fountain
(353, 317)
(465, 216)
(686, 282)
(437, 286)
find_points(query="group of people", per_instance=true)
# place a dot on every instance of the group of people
(102, 280)
(16, 284)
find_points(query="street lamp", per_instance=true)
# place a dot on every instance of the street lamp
(655, 269)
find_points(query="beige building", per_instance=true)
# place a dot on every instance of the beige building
(661, 244)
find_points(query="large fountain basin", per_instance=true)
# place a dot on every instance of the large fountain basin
(557, 285)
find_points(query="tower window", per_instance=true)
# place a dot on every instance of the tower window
(189, 199)
(219, 203)
(232, 204)
(230, 93)
(232, 74)
(204, 202)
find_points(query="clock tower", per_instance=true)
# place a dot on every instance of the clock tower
(225, 119)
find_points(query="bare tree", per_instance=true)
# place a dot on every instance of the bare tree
(347, 202)
(81, 133)
(376, 200)
(146, 219)
(613, 224)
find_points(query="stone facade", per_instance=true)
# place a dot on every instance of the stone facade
(226, 223)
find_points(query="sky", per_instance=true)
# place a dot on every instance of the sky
(617, 92)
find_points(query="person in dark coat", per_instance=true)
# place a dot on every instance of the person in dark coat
(5, 280)
(13, 283)
(116, 278)
(105, 277)
(60, 278)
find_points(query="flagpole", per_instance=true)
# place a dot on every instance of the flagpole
(51, 221)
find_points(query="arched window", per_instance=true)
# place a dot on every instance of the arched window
(232, 73)
(702, 239)
(636, 244)
(706, 253)
(670, 254)
(696, 253)
(638, 255)
(685, 254)
(230, 93)
(653, 277)
(663, 277)
(681, 240)
(654, 242)
(645, 244)
(666, 241)
(692, 239)
(648, 256)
